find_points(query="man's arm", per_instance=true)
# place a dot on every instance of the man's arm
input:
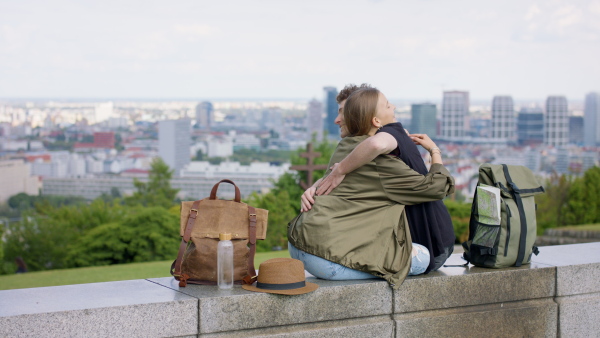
(365, 152)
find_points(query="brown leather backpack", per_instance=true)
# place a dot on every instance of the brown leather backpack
(200, 225)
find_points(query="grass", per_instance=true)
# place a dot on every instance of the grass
(104, 273)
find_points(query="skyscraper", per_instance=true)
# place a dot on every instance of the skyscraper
(314, 120)
(423, 119)
(530, 126)
(455, 110)
(330, 108)
(556, 121)
(204, 115)
(576, 130)
(591, 120)
(174, 140)
(503, 119)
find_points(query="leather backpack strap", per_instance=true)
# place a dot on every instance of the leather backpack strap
(249, 278)
(176, 266)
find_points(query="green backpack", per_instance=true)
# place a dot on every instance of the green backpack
(502, 228)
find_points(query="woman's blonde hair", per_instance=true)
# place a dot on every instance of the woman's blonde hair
(359, 111)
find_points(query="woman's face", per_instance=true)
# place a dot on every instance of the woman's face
(385, 111)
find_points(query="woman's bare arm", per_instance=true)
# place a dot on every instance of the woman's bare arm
(365, 152)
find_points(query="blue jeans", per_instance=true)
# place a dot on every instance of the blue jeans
(324, 269)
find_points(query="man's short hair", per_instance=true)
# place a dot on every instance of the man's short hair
(349, 89)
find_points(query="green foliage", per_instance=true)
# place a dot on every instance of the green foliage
(583, 204)
(551, 205)
(42, 236)
(247, 156)
(147, 234)
(157, 191)
(280, 213)
(22, 201)
(460, 214)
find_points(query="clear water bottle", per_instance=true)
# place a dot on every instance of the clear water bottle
(225, 262)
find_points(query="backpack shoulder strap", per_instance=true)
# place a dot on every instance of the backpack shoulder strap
(249, 278)
(176, 266)
(516, 193)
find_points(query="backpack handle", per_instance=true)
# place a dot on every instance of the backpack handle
(213, 192)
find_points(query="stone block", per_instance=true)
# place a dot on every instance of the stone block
(466, 286)
(381, 326)
(238, 309)
(532, 318)
(579, 316)
(136, 308)
(578, 267)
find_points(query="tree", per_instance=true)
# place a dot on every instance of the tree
(157, 191)
(583, 203)
(146, 234)
(460, 214)
(280, 214)
(551, 205)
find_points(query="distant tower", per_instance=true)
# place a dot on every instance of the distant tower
(591, 120)
(314, 120)
(576, 130)
(424, 119)
(530, 126)
(556, 122)
(503, 119)
(174, 140)
(455, 110)
(204, 115)
(330, 107)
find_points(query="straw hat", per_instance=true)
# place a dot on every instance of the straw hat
(284, 276)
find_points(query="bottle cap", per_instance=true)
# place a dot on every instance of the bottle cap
(225, 237)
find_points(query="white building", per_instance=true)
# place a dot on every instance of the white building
(220, 147)
(195, 182)
(556, 121)
(314, 120)
(15, 178)
(503, 119)
(591, 120)
(174, 141)
(455, 110)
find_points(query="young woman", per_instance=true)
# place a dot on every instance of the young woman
(430, 223)
(360, 229)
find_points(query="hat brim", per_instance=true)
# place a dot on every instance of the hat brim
(310, 287)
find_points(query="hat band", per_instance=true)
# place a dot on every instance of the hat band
(288, 286)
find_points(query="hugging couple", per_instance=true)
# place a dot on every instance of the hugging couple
(378, 211)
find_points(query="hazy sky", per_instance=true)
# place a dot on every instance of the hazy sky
(291, 49)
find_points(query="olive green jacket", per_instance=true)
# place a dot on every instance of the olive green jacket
(361, 224)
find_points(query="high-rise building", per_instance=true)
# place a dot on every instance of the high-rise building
(424, 119)
(455, 110)
(314, 120)
(591, 118)
(556, 122)
(576, 130)
(174, 141)
(503, 119)
(530, 126)
(204, 115)
(330, 108)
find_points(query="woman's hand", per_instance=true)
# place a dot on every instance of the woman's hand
(331, 181)
(423, 140)
(307, 199)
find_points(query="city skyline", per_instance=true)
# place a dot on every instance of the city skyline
(526, 49)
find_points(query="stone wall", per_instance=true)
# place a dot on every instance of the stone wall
(558, 294)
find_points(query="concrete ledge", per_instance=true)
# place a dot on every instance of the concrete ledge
(239, 309)
(558, 294)
(532, 318)
(134, 308)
